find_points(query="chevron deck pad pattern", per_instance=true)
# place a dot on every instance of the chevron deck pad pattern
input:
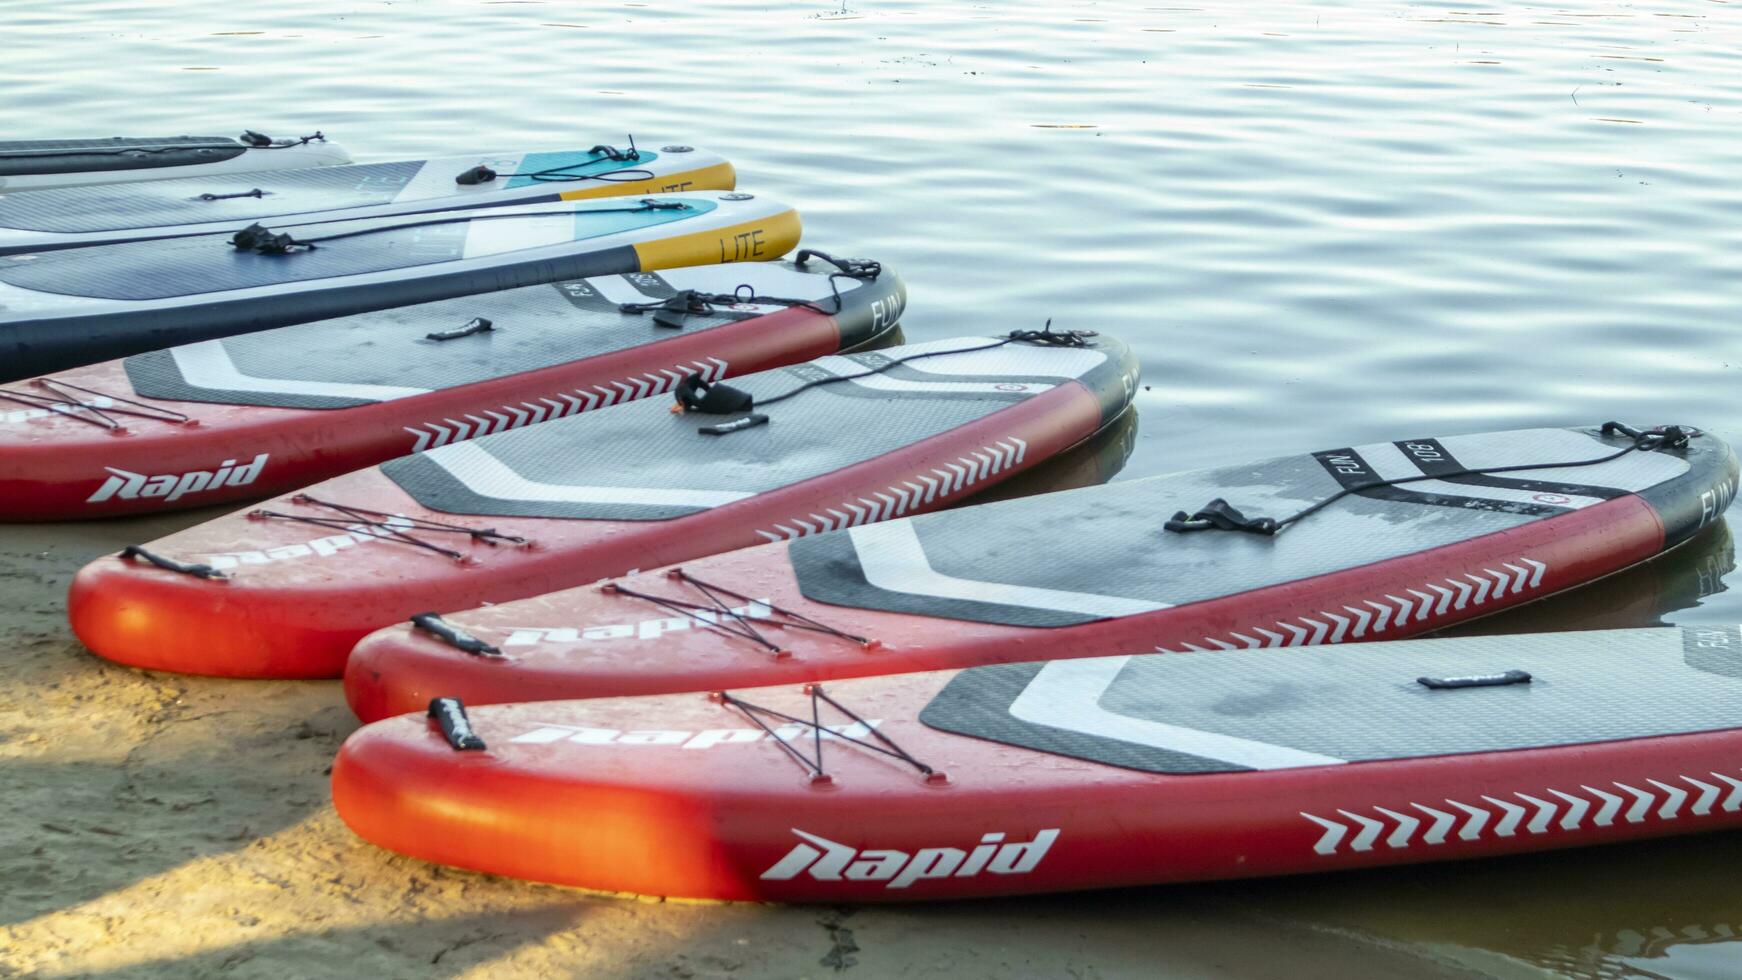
(430, 435)
(896, 500)
(1386, 610)
(1681, 796)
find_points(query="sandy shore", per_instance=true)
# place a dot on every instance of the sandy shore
(161, 826)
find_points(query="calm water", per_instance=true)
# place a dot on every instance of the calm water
(1321, 223)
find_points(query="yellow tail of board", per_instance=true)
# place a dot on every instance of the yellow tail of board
(751, 241)
(715, 177)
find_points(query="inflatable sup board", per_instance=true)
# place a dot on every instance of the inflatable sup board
(225, 202)
(285, 590)
(1089, 773)
(83, 305)
(30, 165)
(1095, 572)
(262, 413)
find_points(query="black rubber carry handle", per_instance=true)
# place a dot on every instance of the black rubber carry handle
(450, 714)
(453, 636)
(1477, 680)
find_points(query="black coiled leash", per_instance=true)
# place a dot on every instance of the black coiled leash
(484, 175)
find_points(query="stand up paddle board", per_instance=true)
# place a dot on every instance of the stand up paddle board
(287, 589)
(1074, 774)
(225, 202)
(262, 413)
(30, 165)
(83, 305)
(1096, 571)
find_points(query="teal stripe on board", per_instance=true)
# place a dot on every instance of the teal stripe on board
(577, 162)
(593, 224)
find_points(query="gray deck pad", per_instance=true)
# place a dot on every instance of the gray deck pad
(307, 192)
(385, 355)
(175, 202)
(641, 462)
(1082, 555)
(1254, 710)
(205, 264)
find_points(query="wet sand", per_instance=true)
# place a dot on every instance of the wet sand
(153, 825)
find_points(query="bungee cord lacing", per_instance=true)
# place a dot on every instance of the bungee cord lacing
(84, 410)
(814, 763)
(1219, 515)
(381, 524)
(721, 618)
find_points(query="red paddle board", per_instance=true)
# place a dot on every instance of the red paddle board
(1093, 572)
(1074, 774)
(254, 415)
(286, 589)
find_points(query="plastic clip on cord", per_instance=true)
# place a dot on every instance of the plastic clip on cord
(476, 326)
(459, 639)
(1219, 515)
(450, 716)
(133, 551)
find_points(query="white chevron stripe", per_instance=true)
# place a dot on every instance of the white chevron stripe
(1342, 624)
(1509, 822)
(1442, 823)
(1482, 587)
(1458, 597)
(1642, 802)
(1605, 813)
(1333, 834)
(1734, 800)
(422, 439)
(1576, 807)
(1708, 794)
(1472, 828)
(1538, 568)
(1541, 811)
(1406, 825)
(1520, 574)
(1463, 593)
(1545, 812)
(1362, 617)
(1674, 797)
(1384, 615)
(1370, 829)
